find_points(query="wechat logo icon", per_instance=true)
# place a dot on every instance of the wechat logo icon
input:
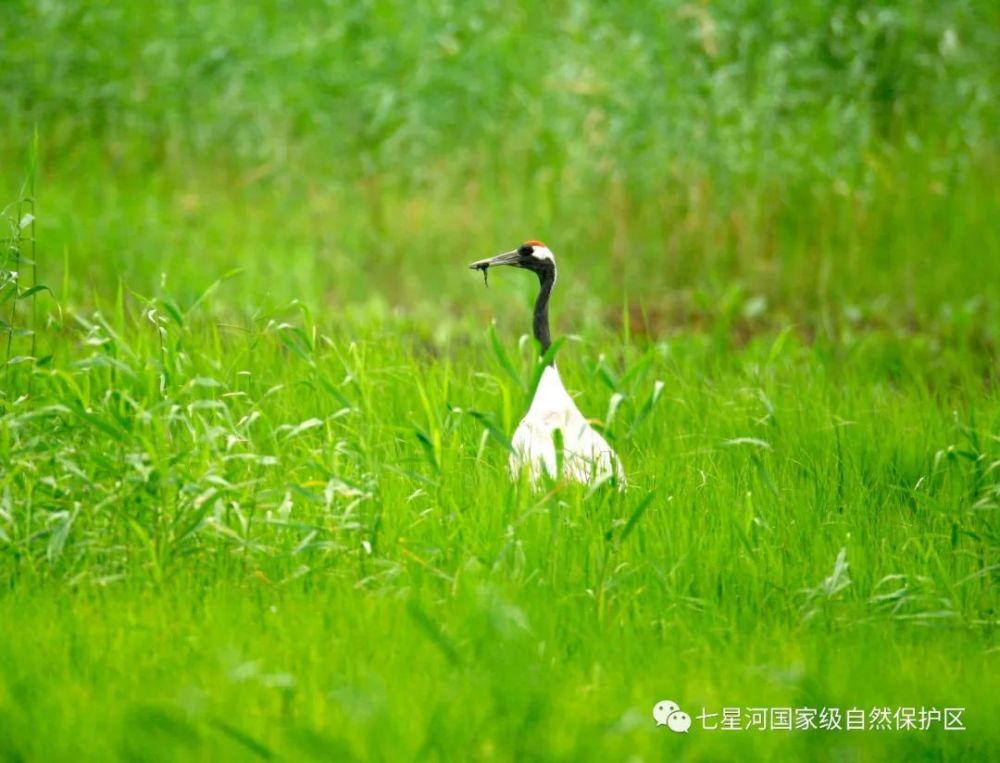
(668, 713)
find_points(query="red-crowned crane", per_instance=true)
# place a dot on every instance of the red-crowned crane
(586, 456)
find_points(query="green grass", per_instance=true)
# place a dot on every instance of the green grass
(253, 489)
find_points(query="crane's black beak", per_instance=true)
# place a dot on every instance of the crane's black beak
(507, 258)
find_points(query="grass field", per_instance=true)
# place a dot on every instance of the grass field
(255, 409)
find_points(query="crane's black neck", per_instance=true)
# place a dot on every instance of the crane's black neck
(546, 280)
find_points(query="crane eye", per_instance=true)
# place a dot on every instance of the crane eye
(524, 250)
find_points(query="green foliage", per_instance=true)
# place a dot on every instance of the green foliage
(255, 415)
(268, 499)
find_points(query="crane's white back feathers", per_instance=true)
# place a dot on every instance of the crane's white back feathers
(587, 457)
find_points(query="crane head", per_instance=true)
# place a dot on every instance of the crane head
(531, 255)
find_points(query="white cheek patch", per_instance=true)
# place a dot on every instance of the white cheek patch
(542, 253)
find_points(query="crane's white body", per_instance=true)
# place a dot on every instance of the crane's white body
(586, 456)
